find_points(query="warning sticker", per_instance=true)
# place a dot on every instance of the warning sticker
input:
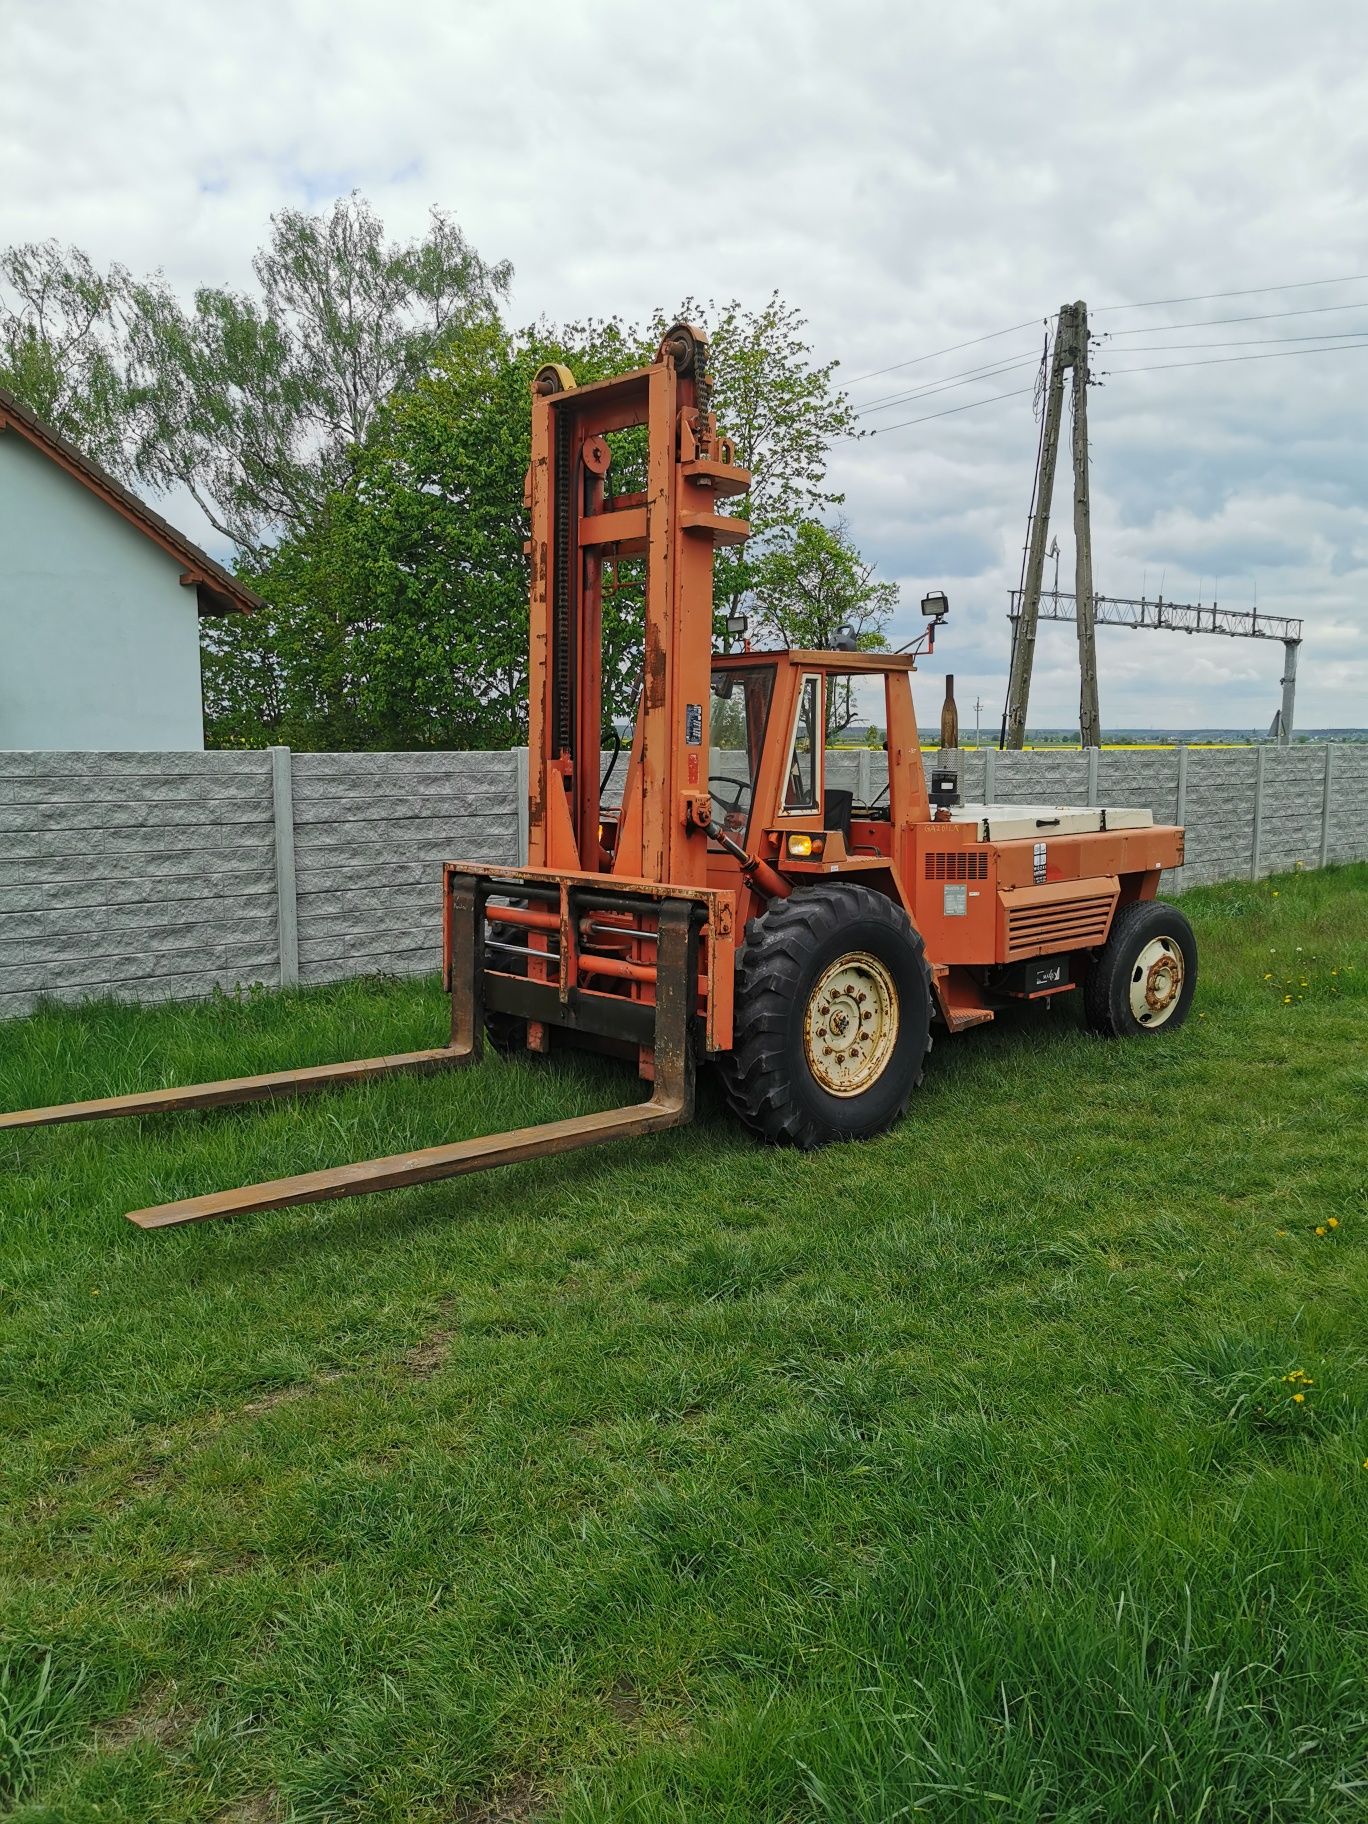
(1038, 870)
(693, 724)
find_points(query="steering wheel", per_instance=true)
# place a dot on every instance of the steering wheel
(739, 789)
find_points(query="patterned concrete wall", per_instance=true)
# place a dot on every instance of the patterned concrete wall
(371, 832)
(150, 875)
(154, 876)
(1348, 804)
(1212, 791)
(166, 875)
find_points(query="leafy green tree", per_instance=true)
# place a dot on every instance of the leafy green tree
(399, 617)
(814, 585)
(256, 404)
(784, 410)
(62, 345)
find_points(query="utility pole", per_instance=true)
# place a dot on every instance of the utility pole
(978, 721)
(1023, 644)
(1089, 714)
(1070, 351)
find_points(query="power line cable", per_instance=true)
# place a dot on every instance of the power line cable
(1112, 373)
(954, 348)
(948, 385)
(1149, 348)
(963, 373)
(1156, 367)
(1203, 297)
(949, 411)
(1262, 316)
(1254, 291)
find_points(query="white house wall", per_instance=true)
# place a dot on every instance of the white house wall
(99, 639)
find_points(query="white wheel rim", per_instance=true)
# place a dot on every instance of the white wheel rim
(1156, 982)
(851, 1024)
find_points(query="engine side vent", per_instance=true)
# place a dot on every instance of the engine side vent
(1079, 922)
(957, 864)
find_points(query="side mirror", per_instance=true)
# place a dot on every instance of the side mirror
(935, 605)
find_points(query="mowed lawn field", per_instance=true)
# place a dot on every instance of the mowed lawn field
(1011, 1467)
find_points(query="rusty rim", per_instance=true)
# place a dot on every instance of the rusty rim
(851, 1024)
(1156, 983)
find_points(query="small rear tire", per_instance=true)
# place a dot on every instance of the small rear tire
(1145, 975)
(833, 1017)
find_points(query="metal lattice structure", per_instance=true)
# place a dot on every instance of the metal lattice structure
(1184, 617)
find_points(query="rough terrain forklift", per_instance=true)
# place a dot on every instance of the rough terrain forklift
(735, 904)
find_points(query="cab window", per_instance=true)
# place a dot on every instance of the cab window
(802, 791)
(736, 737)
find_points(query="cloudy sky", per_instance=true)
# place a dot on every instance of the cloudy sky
(913, 176)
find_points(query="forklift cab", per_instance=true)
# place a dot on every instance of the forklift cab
(776, 787)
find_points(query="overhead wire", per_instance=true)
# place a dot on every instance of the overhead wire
(1155, 367)
(935, 354)
(948, 412)
(1109, 373)
(1203, 297)
(1253, 291)
(1145, 348)
(1261, 316)
(1334, 340)
(947, 385)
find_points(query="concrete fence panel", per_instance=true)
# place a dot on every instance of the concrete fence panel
(164, 876)
(148, 875)
(371, 832)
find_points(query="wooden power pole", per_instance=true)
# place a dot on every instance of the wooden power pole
(1089, 714)
(1070, 352)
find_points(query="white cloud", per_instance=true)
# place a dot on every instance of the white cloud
(913, 176)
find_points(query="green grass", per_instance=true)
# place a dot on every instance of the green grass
(955, 1475)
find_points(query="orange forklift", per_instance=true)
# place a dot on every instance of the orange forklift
(737, 904)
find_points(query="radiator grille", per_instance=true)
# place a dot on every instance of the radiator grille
(1070, 924)
(957, 864)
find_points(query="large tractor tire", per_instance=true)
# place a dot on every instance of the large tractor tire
(833, 1017)
(1145, 975)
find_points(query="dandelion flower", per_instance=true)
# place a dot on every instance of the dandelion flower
(1320, 1229)
(1332, 1222)
(1299, 1399)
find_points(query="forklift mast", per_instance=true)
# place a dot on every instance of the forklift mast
(578, 525)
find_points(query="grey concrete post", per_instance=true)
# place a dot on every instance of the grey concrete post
(1093, 753)
(521, 788)
(862, 780)
(1259, 757)
(989, 774)
(287, 892)
(1326, 800)
(1180, 813)
(1289, 691)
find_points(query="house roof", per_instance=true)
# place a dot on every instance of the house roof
(218, 591)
